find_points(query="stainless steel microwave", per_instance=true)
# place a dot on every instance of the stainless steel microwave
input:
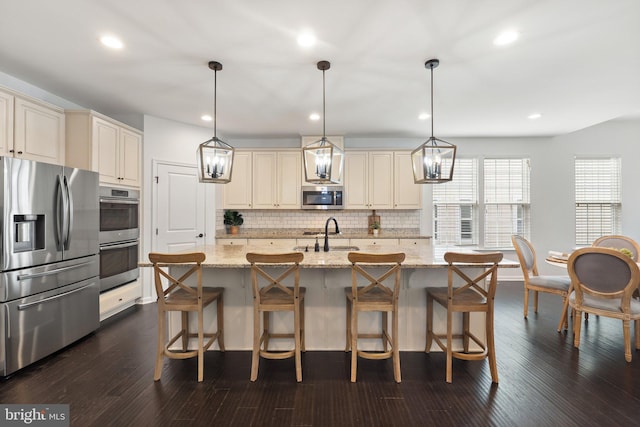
(317, 197)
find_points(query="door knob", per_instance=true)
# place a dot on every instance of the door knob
(200, 235)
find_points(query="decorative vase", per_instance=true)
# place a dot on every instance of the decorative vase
(233, 229)
(375, 232)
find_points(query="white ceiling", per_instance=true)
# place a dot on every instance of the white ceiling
(577, 62)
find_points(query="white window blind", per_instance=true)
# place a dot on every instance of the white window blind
(507, 200)
(455, 205)
(598, 198)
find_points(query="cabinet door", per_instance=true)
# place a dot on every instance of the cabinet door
(106, 150)
(289, 172)
(381, 180)
(355, 180)
(129, 158)
(38, 132)
(264, 192)
(6, 123)
(237, 193)
(406, 193)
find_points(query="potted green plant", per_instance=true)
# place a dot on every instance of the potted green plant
(233, 219)
(375, 226)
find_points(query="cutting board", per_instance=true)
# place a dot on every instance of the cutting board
(373, 218)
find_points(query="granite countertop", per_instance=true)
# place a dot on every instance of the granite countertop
(223, 256)
(297, 233)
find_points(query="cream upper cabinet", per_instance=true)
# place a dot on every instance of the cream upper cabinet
(276, 180)
(6, 123)
(31, 129)
(406, 193)
(369, 180)
(104, 145)
(237, 193)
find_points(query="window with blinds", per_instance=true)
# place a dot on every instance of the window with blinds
(507, 200)
(598, 198)
(455, 206)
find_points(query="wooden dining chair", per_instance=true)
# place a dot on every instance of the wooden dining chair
(474, 294)
(374, 297)
(174, 294)
(270, 294)
(619, 242)
(603, 281)
(557, 284)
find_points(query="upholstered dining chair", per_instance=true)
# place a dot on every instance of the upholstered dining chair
(619, 242)
(174, 294)
(557, 284)
(271, 294)
(603, 281)
(381, 273)
(466, 293)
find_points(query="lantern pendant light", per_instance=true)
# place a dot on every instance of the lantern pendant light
(215, 157)
(433, 161)
(323, 161)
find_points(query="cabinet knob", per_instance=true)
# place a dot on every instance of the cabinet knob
(19, 152)
(11, 151)
(200, 235)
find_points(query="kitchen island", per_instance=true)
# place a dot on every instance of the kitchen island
(325, 274)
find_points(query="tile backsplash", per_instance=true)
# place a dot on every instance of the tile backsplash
(316, 219)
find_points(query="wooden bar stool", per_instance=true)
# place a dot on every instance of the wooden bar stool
(271, 294)
(374, 297)
(466, 298)
(178, 296)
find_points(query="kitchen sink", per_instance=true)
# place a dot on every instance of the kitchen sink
(331, 248)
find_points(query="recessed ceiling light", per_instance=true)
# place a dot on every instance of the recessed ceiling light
(314, 116)
(535, 116)
(306, 39)
(424, 116)
(206, 117)
(112, 42)
(506, 37)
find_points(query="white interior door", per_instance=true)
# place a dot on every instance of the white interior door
(179, 207)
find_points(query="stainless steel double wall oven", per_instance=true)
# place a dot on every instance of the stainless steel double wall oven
(119, 236)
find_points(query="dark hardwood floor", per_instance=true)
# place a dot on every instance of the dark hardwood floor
(107, 378)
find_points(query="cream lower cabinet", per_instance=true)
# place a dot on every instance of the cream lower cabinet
(369, 179)
(114, 150)
(31, 129)
(286, 245)
(119, 299)
(237, 193)
(276, 180)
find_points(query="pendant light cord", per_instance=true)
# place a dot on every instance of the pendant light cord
(431, 67)
(324, 119)
(215, 86)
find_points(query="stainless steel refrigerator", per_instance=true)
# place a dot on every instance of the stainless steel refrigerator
(49, 264)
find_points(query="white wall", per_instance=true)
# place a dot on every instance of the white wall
(168, 141)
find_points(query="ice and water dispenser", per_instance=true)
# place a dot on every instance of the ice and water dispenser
(28, 233)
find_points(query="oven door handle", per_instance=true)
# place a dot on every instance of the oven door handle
(54, 271)
(119, 245)
(119, 201)
(54, 297)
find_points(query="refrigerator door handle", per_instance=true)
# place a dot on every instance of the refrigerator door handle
(59, 212)
(22, 307)
(6, 310)
(69, 215)
(21, 277)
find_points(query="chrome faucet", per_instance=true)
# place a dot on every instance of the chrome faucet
(326, 232)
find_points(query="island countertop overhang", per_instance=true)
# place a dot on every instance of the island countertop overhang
(222, 256)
